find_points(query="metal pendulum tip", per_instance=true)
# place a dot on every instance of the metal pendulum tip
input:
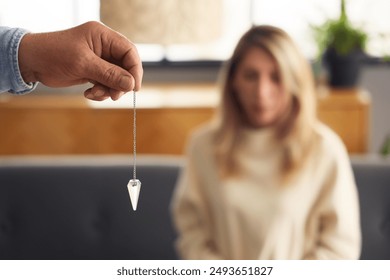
(134, 187)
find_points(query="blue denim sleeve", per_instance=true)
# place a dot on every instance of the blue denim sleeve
(10, 77)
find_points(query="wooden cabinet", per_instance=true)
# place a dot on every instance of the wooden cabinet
(166, 115)
(347, 112)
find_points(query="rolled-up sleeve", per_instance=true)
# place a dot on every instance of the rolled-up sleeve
(10, 77)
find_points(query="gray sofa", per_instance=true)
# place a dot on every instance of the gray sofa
(79, 208)
(372, 175)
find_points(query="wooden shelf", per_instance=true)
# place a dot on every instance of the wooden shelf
(166, 115)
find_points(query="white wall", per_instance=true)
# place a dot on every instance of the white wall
(376, 79)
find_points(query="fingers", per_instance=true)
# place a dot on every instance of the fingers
(115, 95)
(125, 53)
(128, 56)
(110, 75)
(96, 94)
(113, 61)
(99, 93)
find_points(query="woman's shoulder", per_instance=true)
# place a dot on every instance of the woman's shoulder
(205, 130)
(329, 141)
(201, 136)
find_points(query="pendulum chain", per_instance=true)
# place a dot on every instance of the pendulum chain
(134, 137)
(134, 185)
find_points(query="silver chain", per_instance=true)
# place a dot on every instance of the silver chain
(134, 137)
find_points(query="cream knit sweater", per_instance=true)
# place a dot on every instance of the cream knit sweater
(315, 217)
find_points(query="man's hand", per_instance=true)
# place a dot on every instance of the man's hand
(90, 52)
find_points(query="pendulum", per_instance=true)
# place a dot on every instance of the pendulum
(134, 185)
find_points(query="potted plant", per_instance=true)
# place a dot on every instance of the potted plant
(342, 48)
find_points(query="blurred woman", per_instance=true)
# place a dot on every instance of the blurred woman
(265, 179)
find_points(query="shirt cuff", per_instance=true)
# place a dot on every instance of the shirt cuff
(19, 85)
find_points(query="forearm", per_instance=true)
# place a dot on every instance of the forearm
(194, 238)
(11, 78)
(338, 233)
(346, 251)
(190, 219)
(193, 246)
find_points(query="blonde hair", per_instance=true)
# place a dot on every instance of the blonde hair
(294, 130)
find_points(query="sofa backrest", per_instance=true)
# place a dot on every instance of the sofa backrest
(79, 208)
(373, 181)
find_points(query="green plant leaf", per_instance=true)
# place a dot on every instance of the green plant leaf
(339, 35)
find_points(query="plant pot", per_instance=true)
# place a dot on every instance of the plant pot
(343, 70)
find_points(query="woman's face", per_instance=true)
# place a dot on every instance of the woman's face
(259, 89)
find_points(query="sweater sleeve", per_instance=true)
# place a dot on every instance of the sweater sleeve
(338, 211)
(191, 216)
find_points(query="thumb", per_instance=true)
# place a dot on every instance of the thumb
(111, 75)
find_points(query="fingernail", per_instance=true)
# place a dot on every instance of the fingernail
(117, 96)
(99, 93)
(125, 83)
(89, 96)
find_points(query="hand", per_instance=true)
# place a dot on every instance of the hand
(90, 52)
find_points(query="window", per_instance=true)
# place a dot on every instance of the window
(293, 16)
(296, 17)
(47, 15)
